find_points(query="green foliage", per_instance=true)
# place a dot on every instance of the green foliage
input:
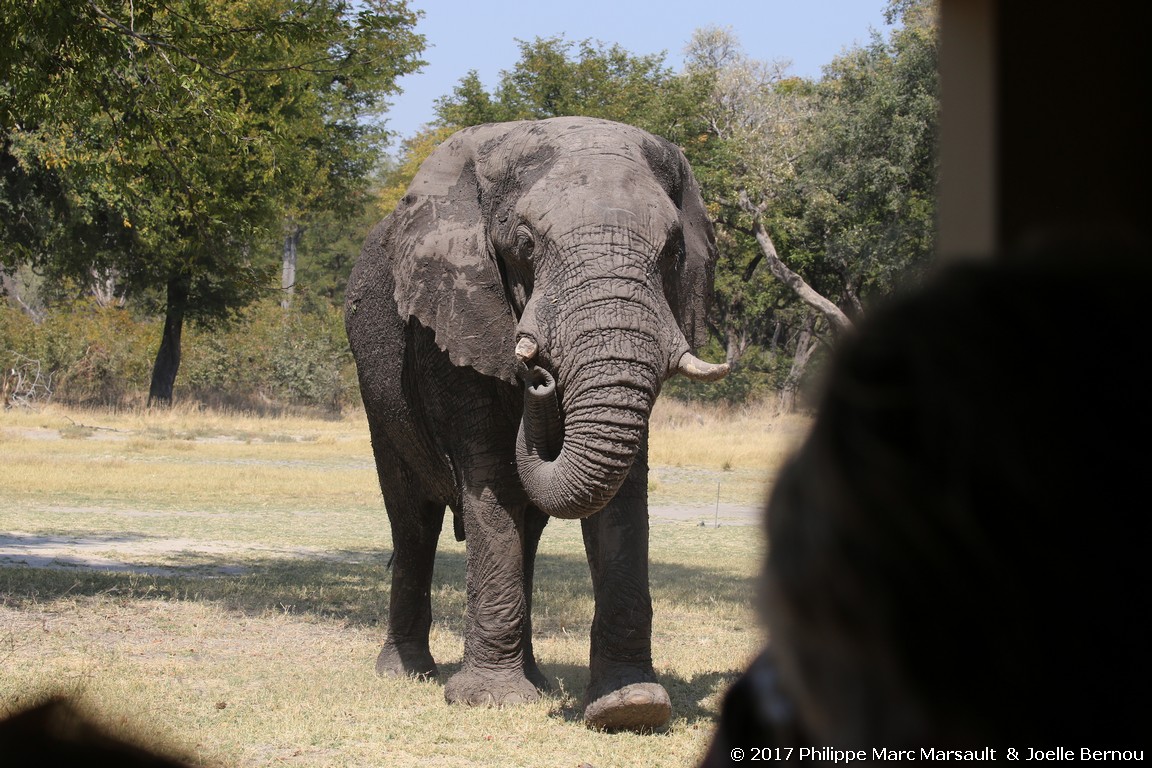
(163, 145)
(556, 77)
(840, 173)
(230, 112)
(328, 249)
(759, 373)
(17, 331)
(85, 354)
(869, 173)
(100, 354)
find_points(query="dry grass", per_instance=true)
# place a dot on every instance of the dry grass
(701, 455)
(253, 641)
(722, 437)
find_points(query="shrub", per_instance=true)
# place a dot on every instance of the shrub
(93, 355)
(272, 356)
(17, 335)
(267, 357)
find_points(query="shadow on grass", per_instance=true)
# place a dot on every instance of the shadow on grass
(351, 585)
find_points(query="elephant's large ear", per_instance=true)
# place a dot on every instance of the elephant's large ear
(689, 290)
(446, 275)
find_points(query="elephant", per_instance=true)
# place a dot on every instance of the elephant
(512, 322)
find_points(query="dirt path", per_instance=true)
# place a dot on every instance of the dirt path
(112, 552)
(124, 553)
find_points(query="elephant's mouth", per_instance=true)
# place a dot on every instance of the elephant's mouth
(542, 410)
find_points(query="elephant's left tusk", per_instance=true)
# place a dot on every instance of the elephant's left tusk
(698, 370)
(526, 349)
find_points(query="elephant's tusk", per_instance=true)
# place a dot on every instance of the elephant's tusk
(526, 349)
(698, 370)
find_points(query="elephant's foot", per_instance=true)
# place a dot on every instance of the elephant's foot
(405, 661)
(490, 688)
(627, 701)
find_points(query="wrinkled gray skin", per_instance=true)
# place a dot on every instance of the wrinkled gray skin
(565, 264)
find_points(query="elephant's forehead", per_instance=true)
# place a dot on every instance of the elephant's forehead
(597, 194)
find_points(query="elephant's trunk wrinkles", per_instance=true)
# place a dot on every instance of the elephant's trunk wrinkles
(571, 468)
(571, 465)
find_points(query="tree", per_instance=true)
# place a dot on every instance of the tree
(752, 118)
(870, 174)
(164, 144)
(829, 185)
(556, 77)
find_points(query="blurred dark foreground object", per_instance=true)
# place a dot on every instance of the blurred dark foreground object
(55, 734)
(956, 551)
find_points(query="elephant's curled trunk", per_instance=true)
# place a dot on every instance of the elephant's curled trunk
(572, 469)
(545, 434)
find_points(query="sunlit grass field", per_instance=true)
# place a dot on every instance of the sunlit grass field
(218, 586)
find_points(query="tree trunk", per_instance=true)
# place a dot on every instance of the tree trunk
(288, 273)
(168, 357)
(805, 345)
(735, 345)
(103, 288)
(774, 345)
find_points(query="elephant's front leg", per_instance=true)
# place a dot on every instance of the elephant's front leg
(496, 615)
(622, 690)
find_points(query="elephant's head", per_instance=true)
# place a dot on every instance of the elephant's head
(573, 254)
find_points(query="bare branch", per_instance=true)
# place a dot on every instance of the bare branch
(781, 272)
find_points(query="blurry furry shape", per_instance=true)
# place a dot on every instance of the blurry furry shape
(55, 733)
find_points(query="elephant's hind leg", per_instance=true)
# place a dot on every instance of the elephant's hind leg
(415, 532)
(534, 522)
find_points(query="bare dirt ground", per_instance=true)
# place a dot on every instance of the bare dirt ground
(112, 553)
(115, 553)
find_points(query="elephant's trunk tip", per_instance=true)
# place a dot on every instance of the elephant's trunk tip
(698, 370)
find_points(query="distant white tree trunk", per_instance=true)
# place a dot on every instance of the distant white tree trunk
(806, 344)
(15, 286)
(288, 273)
(103, 289)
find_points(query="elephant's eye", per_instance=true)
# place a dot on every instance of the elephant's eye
(524, 242)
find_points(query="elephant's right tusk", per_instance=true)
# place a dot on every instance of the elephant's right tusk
(698, 370)
(526, 349)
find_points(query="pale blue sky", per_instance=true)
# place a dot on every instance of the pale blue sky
(474, 34)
